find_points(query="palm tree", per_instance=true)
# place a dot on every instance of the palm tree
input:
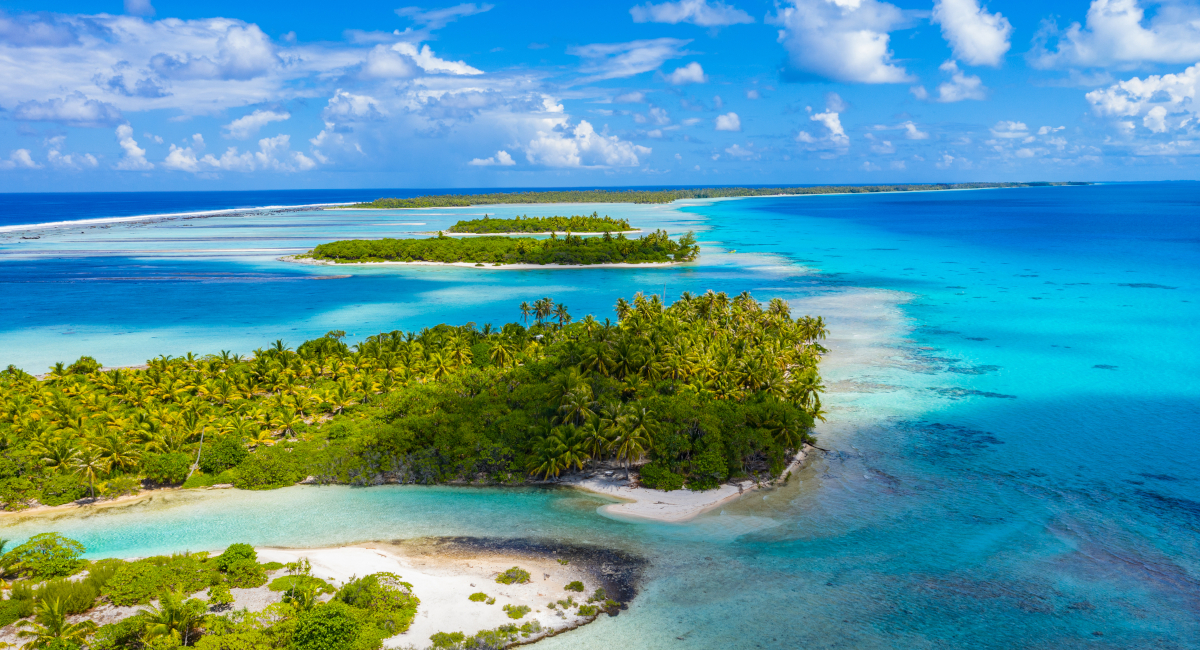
(90, 464)
(525, 311)
(174, 614)
(560, 312)
(634, 436)
(50, 623)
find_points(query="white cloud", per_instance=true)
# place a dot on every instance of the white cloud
(59, 160)
(386, 63)
(753, 94)
(1164, 102)
(1117, 34)
(833, 124)
(1009, 130)
(435, 19)
(348, 107)
(582, 147)
(696, 12)
(729, 122)
(135, 156)
(976, 36)
(869, 166)
(691, 73)
(619, 60)
(960, 87)
(911, 132)
(20, 159)
(242, 52)
(843, 40)
(1050, 129)
(946, 161)
(630, 98)
(75, 109)
(501, 159)
(274, 154)
(737, 151)
(882, 147)
(139, 8)
(897, 164)
(248, 125)
(425, 60)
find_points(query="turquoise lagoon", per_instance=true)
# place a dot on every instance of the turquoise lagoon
(1011, 441)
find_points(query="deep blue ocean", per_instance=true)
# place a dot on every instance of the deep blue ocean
(1011, 452)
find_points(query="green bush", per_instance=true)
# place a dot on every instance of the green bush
(574, 586)
(119, 486)
(16, 492)
(515, 575)
(332, 626)
(246, 574)
(219, 597)
(235, 553)
(709, 469)
(62, 489)
(517, 611)
(588, 610)
(77, 596)
(598, 596)
(83, 366)
(272, 566)
(222, 453)
(166, 469)
(137, 583)
(389, 600)
(48, 555)
(287, 583)
(659, 477)
(447, 640)
(15, 608)
(477, 597)
(119, 636)
(266, 469)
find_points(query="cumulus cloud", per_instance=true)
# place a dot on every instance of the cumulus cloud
(1009, 130)
(1164, 102)
(842, 40)
(19, 159)
(960, 87)
(242, 52)
(37, 31)
(1118, 34)
(976, 36)
(59, 160)
(348, 107)
(753, 94)
(501, 159)
(386, 63)
(737, 151)
(691, 73)
(274, 154)
(425, 60)
(696, 12)
(835, 134)
(248, 125)
(620, 60)
(135, 156)
(729, 122)
(911, 132)
(75, 109)
(582, 147)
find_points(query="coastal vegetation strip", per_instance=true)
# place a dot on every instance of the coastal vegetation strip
(663, 196)
(525, 224)
(707, 389)
(655, 247)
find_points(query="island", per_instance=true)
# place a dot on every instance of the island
(570, 250)
(708, 391)
(594, 224)
(665, 195)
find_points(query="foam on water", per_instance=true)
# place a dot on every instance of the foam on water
(1011, 416)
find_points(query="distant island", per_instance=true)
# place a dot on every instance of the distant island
(570, 250)
(527, 225)
(709, 389)
(664, 196)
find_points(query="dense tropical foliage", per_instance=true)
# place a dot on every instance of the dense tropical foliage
(662, 196)
(655, 247)
(708, 388)
(526, 224)
(174, 613)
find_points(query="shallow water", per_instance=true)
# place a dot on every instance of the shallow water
(1011, 430)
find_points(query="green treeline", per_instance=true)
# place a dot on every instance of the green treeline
(194, 602)
(571, 249)
(663, 196)
(707, 389)
(576, 223)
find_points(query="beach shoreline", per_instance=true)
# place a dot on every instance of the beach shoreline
(473, 265)
(530, 234)
(676, 506)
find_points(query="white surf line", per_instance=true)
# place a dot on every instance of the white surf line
(165, 215)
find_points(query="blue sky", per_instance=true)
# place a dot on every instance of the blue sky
(167, 95)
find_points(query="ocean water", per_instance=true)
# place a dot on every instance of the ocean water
(1010, 457)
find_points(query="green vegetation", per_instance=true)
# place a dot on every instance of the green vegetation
(517, 611)
(361, 614)
(708, 389)
(574, 586)
(477, 597)
(655, 247)
(576, 223)
(486, 639)
(515, 575)
(48, 555)
(663, 196)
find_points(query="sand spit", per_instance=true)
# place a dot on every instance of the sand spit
(676, 506)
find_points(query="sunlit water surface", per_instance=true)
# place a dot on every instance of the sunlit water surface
(1011, 436)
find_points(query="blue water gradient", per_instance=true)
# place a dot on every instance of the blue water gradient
(1011, 438)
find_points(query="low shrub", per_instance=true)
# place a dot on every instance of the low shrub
(167, 469)
(272, 566)
(588, 610)
(660, 477)
(77, 595)
(598, 596)
(48, 555)
(16, 607)
(517, 611)
(235, 553)
(515, 575)
(119, 636)
(574, 586)
(61, 489)
(246, 574)
(389, 600)
(119, 486)
(219, 597)
(288, 583)
(447, 640)
(267, 469)
(477, 597)
(332, 626)
(222, 453)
